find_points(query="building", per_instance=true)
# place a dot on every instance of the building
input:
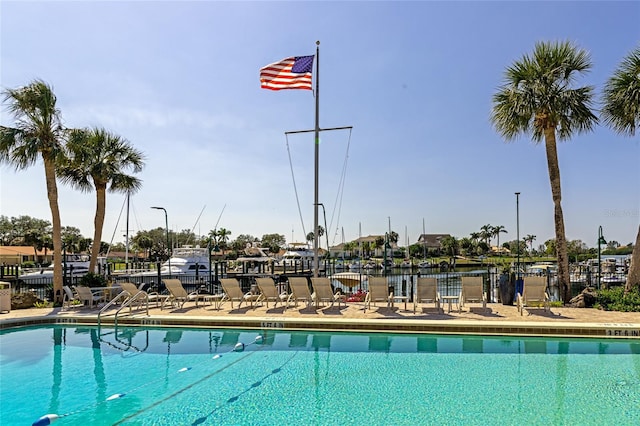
(17, 255)
(432, 241)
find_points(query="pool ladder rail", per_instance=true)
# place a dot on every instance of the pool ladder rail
(127, 301)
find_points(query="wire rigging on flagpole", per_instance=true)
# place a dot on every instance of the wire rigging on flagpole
(340, 193)
(295, 188)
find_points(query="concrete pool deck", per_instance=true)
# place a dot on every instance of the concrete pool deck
(497, 319)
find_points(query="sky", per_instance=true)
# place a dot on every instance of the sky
(180, 81)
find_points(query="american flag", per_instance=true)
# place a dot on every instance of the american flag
(289, 73)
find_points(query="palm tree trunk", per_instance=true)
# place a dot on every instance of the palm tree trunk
(52, 194)
(633, 279)
(98, 223)
(558, 218)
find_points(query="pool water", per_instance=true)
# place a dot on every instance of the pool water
(194, 376)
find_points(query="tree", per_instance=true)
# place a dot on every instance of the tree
(100, 160)
(538, 97)
(241, 242)
(529, 239)
(496, 233)
(223, 237)
(486, 232)
(38, 132)
(274, 242)
(621, 112)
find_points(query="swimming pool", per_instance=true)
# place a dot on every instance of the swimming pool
(176, 376)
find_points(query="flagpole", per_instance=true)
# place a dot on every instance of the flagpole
(316, 166)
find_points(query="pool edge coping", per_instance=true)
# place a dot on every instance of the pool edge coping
(503, 328)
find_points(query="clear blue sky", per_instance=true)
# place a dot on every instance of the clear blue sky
(180, 81)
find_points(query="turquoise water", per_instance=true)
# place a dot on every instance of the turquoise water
(312, 378)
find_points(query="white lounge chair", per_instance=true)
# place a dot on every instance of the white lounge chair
(299, 287)
(88, 297)
(323, 293)
(141, 295)
(269, 292)
(178, 295)
(473, 291)
(426, 292)
(378, 292)
(534, 290)
(232, 291)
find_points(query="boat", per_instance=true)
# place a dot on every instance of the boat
(370, 265)
(355, 265)
(254, 259)
(406, 264)
(184, 261)
(426, 264)
(297, 255)
(74, 265)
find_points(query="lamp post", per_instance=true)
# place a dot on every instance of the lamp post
(166, 222)
(518, 240)
(601, 240)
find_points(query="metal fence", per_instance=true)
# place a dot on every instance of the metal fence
(401, 281)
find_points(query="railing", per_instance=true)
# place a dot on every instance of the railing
(401, 280)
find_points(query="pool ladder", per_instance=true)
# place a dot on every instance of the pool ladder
(127, 301)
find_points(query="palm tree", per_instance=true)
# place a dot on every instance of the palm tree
(100, 160)
(537, 97)
(621, 112)
(530, 239)
(496, 232)
(223, 237)
(38, 132)
(486, 232)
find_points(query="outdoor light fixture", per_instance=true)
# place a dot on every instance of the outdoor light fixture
(166, 222)
(601, 241)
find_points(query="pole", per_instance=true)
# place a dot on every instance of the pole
(601, 240)
(166, 227)
(518, 235)
(126, 242)
(316, 164)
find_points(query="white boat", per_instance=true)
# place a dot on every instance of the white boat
(406, 264)
(76, 265)
(425, 264)
(355, 265)
(187, 260)
(298, 255)
(253, 259)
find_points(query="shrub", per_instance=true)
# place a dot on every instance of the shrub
(614, 299)
(93, 280)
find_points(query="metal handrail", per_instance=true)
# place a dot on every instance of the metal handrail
(127, 303)
(121, 295)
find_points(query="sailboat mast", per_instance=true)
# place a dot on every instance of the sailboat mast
(316, 166)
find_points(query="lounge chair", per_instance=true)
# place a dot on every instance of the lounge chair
(69, 299)
(87, 297)
(269, 292)
(426, 292)
(378, 292)
(322, 292)
(472, 291)
(535, 290)
(134, 291)
(178, 295)
(299, 290)
(232, 291)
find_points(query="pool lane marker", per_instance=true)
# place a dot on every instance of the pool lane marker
(47, 419)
